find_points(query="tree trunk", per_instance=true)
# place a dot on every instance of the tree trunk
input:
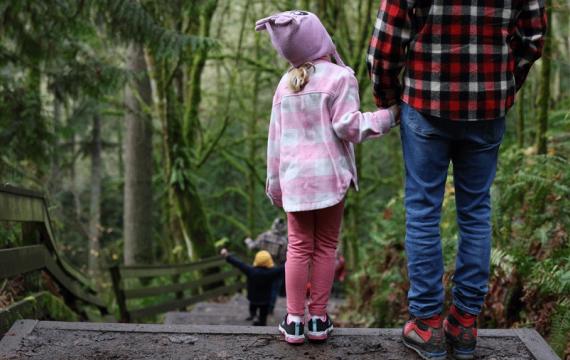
(54, 184)
(138, 162)
(171, 237)
(95, 199)
(194, 222)
(252, 131)
(191, 212)
(544, 99)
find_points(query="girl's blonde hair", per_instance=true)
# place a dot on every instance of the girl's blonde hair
(299, 76)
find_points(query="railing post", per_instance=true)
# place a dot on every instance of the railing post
(179, 294)
(119, 294)
(30, 233)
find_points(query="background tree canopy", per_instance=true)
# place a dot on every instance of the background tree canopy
(145, 122)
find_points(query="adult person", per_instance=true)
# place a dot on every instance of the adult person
(463, 62)
(273, 240)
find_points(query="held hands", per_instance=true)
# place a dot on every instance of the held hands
(395, 111)
(224, 252)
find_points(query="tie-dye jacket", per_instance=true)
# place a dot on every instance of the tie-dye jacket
(310, 156)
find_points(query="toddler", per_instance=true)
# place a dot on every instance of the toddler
(260, 281)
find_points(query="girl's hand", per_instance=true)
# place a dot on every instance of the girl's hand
(224, 252)
(395, 110)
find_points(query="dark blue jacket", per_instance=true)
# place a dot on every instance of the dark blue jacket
(259, 280)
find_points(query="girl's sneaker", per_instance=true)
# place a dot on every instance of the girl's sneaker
(292, 330)
(319, 329)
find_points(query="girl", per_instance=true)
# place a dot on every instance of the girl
(310, 160)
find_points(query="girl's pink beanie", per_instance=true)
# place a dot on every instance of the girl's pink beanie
(298, 36)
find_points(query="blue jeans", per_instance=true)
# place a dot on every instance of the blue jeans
(429, 144)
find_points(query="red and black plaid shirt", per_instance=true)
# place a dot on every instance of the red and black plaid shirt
(464, 60)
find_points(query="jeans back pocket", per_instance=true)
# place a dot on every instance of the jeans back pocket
(417, 122)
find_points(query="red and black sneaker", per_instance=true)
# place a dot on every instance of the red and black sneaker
(461, 333)
(425, 336)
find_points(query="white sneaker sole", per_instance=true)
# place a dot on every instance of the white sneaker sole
(319, 335)
(292, 339)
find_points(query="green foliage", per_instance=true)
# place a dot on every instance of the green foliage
(127, 20)
(42, 306)
(23, 127)
(11, 235)
(62, 62)
(560, 327)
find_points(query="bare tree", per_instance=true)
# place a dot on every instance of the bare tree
(95, 199)
(138, 161)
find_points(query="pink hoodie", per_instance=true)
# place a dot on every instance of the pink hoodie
(310, 155)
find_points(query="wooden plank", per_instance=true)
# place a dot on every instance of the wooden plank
(12, 339)
(536, 344)
(48, 239)
(20, 208)
(9, 189)
(21, 260)
(231, 329)
(153, 271)
(168, 266)
(70, 284)
(177, 304)
(158, 290)
(27, 206)
(119, 293)
(31, 258)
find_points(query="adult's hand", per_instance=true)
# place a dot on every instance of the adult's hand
(249, 242)
(395, 110)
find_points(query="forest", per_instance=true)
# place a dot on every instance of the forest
(145, 124)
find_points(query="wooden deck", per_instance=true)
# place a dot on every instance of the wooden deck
(32, 339)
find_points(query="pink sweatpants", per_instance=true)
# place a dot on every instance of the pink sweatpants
(313, 237)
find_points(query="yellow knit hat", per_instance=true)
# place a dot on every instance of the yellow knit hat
(263, 259)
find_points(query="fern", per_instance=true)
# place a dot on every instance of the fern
(129, 21)
(501, 260)
(560, 328)
(551, 278)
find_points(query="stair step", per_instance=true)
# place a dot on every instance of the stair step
(72, 340)
(232, 312)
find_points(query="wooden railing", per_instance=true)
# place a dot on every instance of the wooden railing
(220, 280)
(208, 278)
(30, 209)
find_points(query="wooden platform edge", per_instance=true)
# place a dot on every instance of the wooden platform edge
(13, 337)
(536, 344)
(239, 329)
(533, 341)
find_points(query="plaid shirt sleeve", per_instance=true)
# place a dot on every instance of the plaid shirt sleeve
(385, 60)
(528, 40)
